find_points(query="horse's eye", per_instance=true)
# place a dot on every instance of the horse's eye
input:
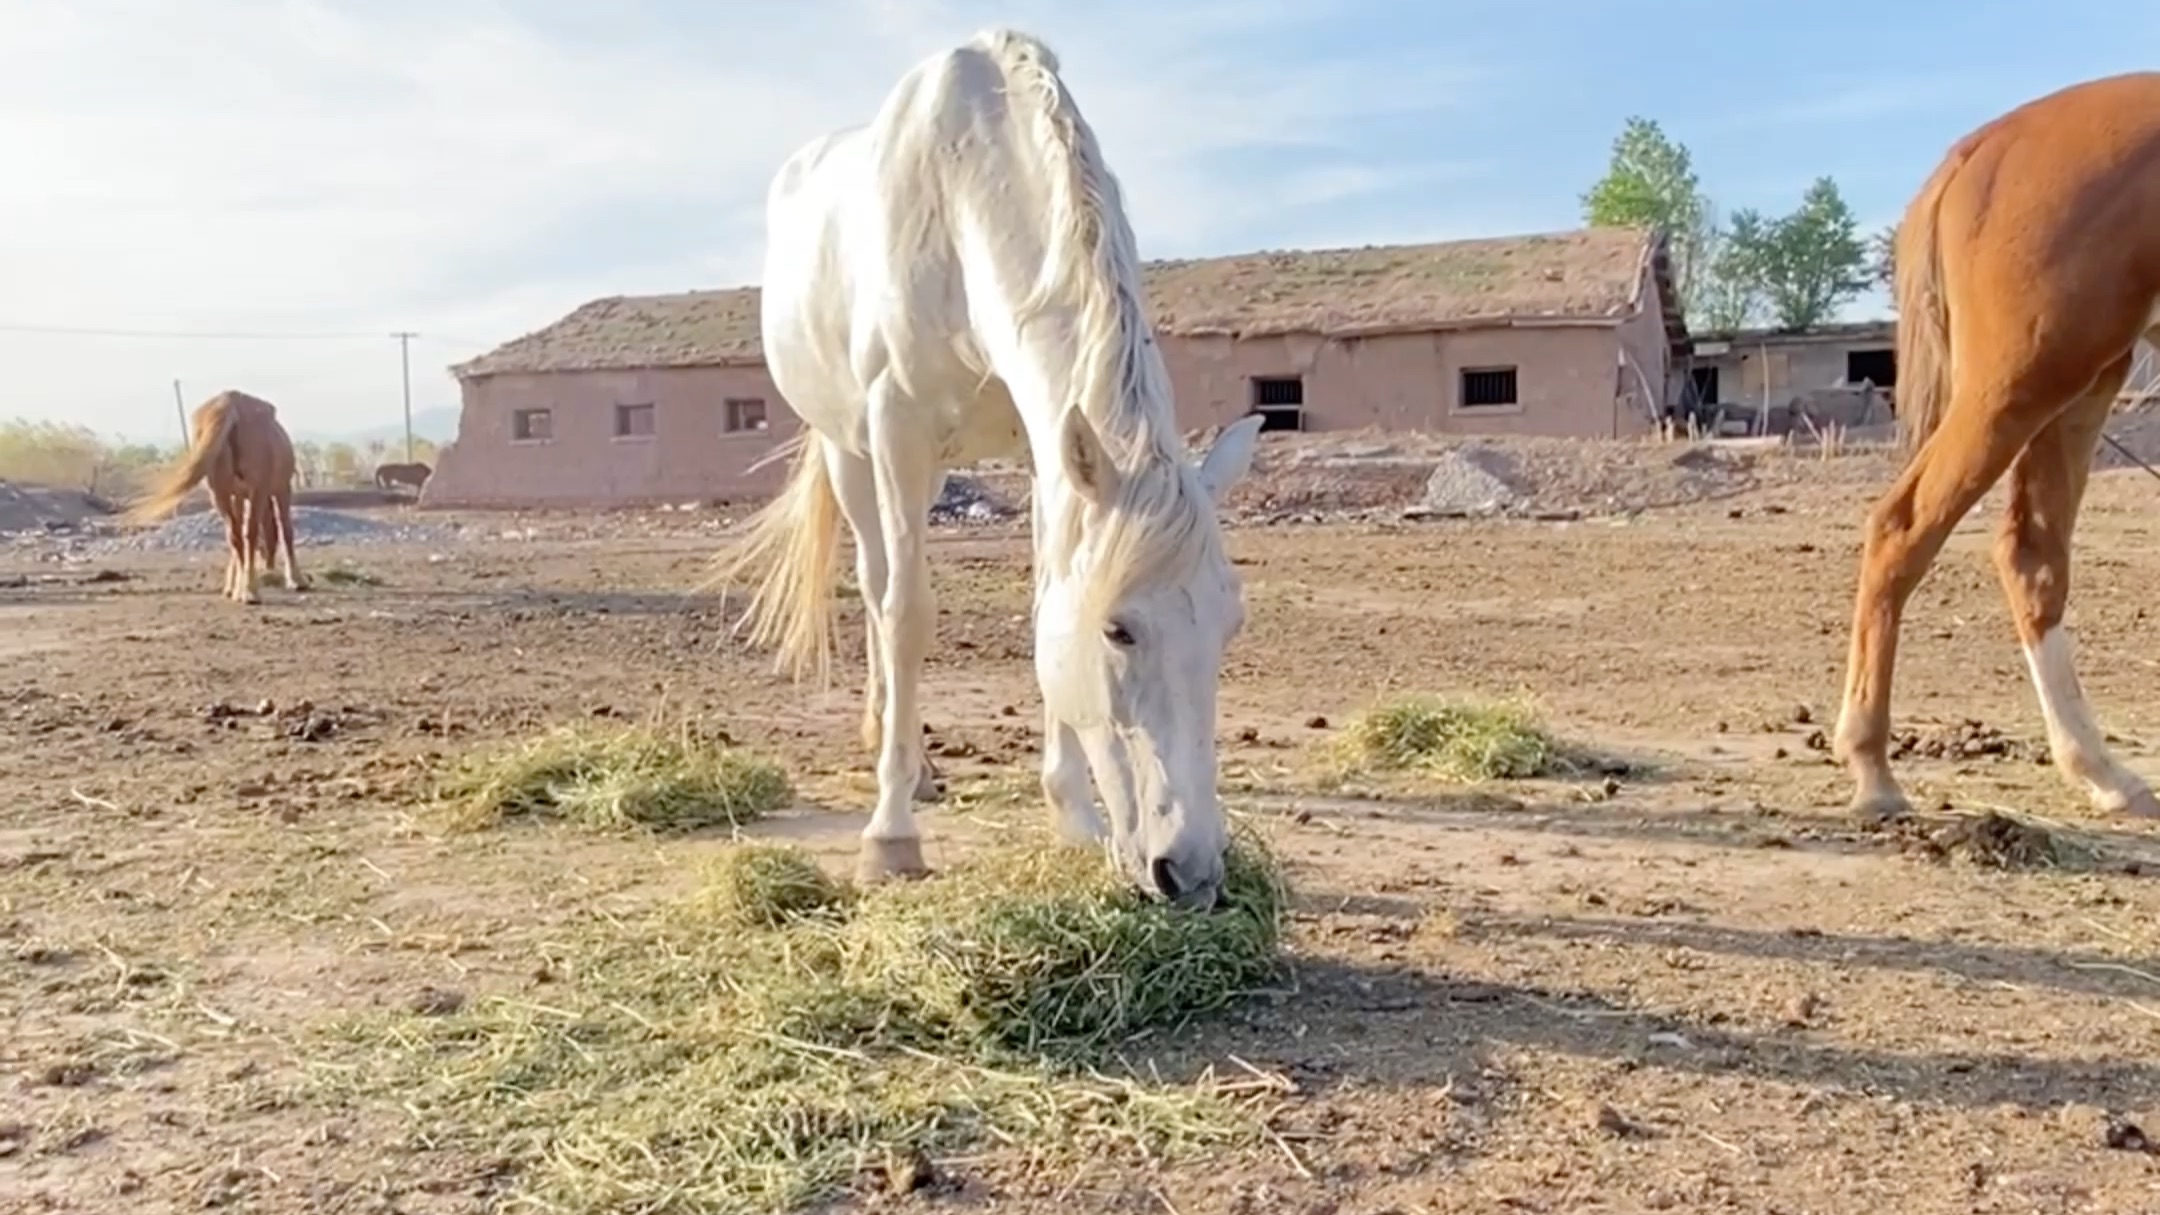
(1118, 635)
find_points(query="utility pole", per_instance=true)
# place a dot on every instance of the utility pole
(179, 404)
(404, 343)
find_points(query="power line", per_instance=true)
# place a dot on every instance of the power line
(226, 335)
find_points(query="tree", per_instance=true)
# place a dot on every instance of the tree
(1882, 259)
(1730, 294)
(1651, 182)
(341, 465)
(1804, 265)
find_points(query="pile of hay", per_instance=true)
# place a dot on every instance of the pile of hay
(778, 1038)
(1453, 739)
(611, 776)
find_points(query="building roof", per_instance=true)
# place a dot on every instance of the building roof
(1590, 276)
(1832, 332)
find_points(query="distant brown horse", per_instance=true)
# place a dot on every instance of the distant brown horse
(2028, 267)
(243, 453)
(414, 474)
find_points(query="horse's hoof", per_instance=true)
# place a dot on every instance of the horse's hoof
(890, 861)
(2140, 804)
(1879, 809)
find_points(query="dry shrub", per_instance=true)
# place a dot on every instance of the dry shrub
(1458, 740)
(686, 1064)
(613, 776)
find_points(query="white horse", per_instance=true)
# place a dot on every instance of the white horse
(956, 281)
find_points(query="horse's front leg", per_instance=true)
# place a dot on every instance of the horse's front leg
(1068, 786)
(905, 473)
(1066, 782)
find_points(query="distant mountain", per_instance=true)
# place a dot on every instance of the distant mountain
(437, 425)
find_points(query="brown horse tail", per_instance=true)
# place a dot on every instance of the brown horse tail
(796, 538)
(165, 495)
(1923, 329)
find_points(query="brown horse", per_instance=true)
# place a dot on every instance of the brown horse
(414, 474)
(246, 457)
(2028, 267)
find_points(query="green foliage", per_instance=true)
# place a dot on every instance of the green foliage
(1882, 258)
(1793, 270)
(75, 457)
(1804, 265)
(1651, 182)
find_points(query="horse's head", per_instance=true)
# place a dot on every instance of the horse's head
(1137, 602)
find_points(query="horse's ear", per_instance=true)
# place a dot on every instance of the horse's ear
(1230, 456)
(1087, 464)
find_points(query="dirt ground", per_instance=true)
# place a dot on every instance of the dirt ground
(1690, 988)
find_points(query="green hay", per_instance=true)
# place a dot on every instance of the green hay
(1045, 952)
(1457, 740)
(676, 1068)
(768, 886)
(610, 777)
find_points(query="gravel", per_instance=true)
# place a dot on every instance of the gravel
(1475, 479)
(204, 531)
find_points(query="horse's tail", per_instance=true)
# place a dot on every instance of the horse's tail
(1923, 329)
(165, 494)
(796, 539)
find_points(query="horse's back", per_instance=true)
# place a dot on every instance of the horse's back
(2053, 169)
(2057, 201)
(862, 271)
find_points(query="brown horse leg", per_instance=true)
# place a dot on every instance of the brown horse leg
(2032, 555)
(1981, 432)
(257, 513)
(262, 533)
(238, 541)
(294, 579)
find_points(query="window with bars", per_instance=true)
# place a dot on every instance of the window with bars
(1280, 402)
(1488, 387)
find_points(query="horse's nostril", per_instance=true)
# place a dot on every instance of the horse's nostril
(1164, 875)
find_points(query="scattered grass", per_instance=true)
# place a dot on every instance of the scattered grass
(613, 776)
(345, 575)
(682, 1063)
(1457, 740)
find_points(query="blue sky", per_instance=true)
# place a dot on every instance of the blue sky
(331, 170)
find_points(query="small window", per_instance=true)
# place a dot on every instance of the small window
(746, 414)
(1280, 402)
(1877, 367)
(1486, 387)
(532, 425)
(633, 421)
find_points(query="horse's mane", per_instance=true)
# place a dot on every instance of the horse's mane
(1162, 520)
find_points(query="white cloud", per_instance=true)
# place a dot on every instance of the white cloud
(472, 169)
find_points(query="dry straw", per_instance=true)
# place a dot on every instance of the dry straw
(611, 776)
(1454, 739)
(779, 1039)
